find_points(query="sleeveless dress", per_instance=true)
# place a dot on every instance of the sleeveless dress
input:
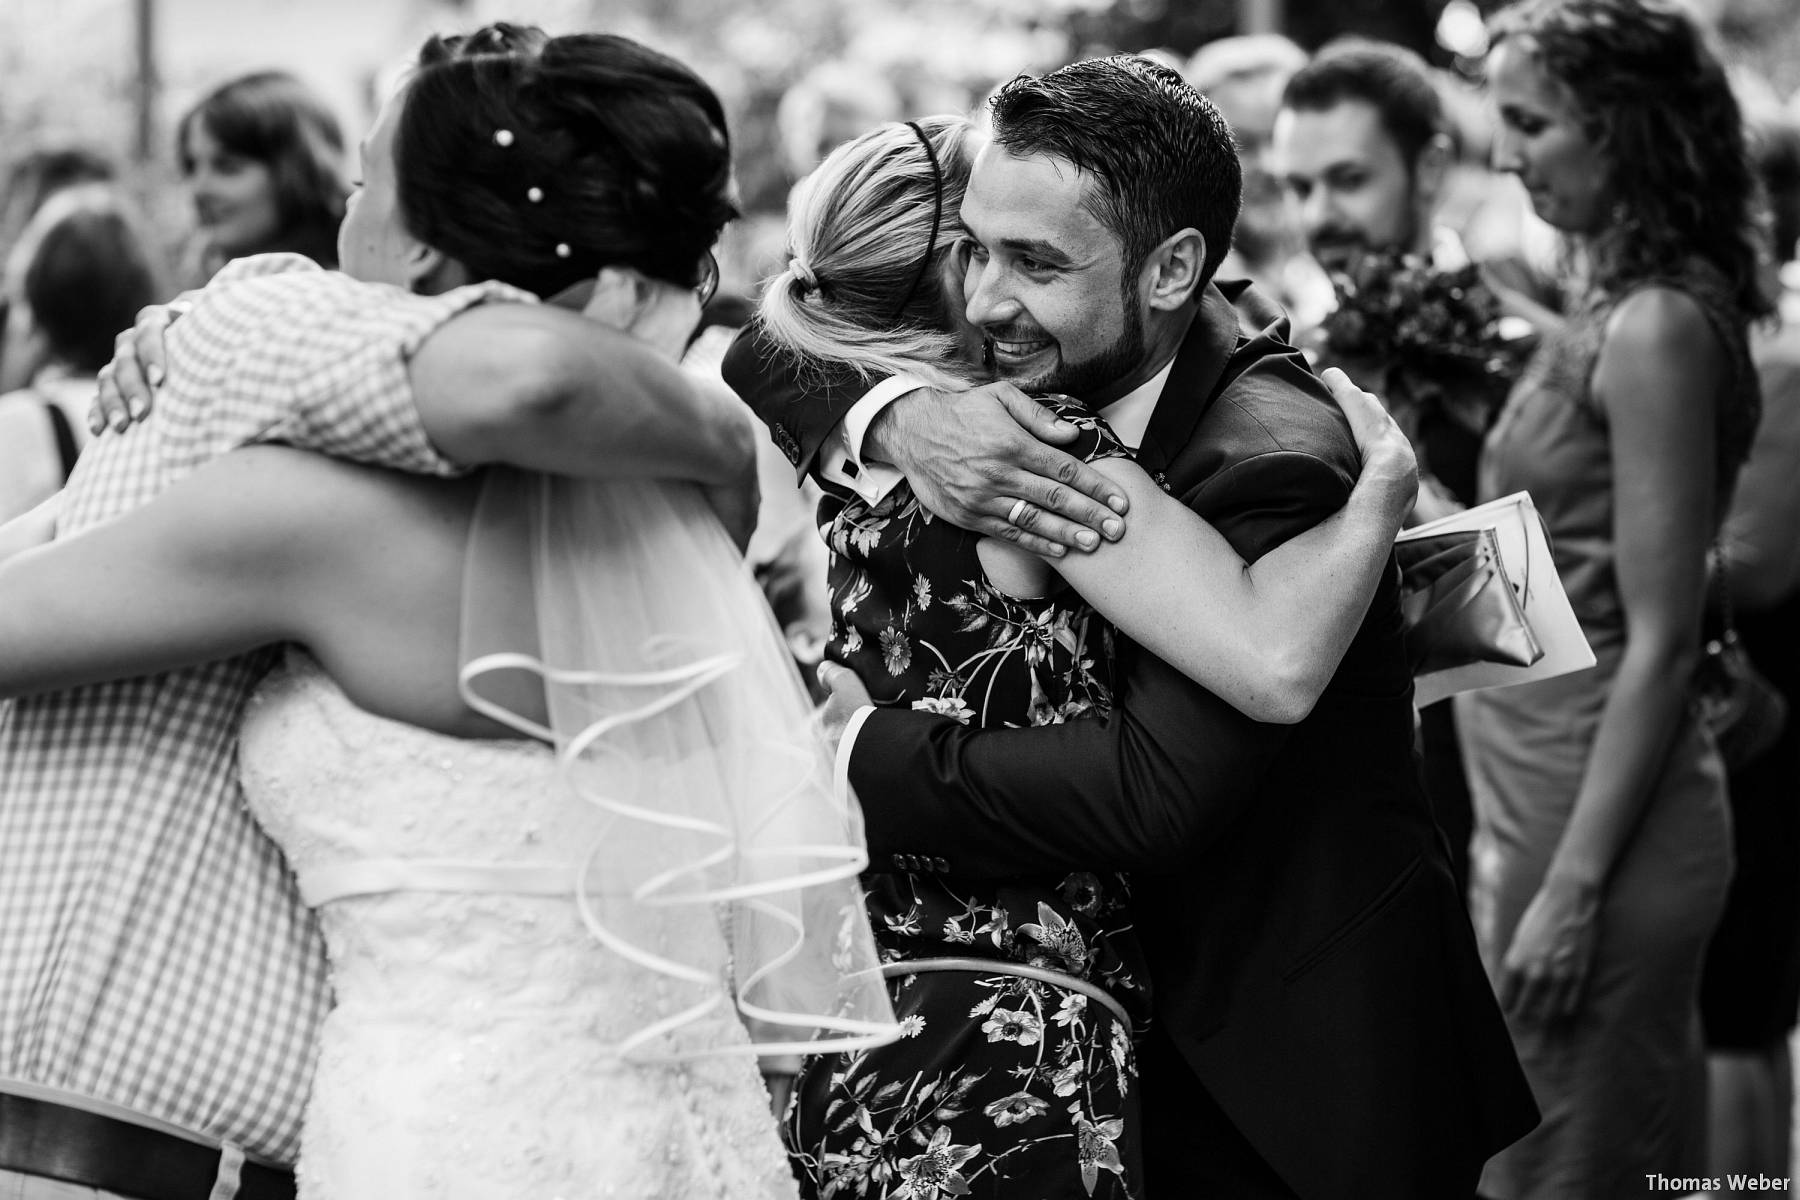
(470, 1055)
(1002, 1085)
(1622, 1086)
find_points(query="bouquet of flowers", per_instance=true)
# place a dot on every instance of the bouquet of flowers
(1438, 338)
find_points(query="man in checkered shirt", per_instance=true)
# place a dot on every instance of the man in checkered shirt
(161, 984)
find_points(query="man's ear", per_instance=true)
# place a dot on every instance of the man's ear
(1175, 270)
(1430, 170)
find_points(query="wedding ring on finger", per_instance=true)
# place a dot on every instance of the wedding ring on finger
(1016, 511)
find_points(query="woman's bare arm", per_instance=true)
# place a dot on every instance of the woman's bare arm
(264, 545)
(1659, 376)
(533, 386)
(178, 582)
(1265, 637)
(30, 530)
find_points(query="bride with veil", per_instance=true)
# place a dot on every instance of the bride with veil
(534, 748)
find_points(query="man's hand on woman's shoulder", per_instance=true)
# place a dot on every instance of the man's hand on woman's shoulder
(986, 460)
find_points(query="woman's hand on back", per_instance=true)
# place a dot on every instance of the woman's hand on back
(1388, 460)
(128, 383)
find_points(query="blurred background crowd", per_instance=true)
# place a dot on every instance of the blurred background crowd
(145, 142)
(104, 87)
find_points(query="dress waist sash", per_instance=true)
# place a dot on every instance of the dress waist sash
(372, 876)
(992, 966)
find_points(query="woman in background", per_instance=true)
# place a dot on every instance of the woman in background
(76, 277)
(263, 157)
(1602, 845)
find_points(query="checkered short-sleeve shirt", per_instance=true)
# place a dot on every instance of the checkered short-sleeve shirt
(153, 950)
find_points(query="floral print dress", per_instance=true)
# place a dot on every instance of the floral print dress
(1001, 1085)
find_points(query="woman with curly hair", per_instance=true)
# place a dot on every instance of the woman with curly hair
(1602, 848)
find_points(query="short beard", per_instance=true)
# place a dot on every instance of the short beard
(1084, 379)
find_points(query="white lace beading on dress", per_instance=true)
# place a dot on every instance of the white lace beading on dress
(472, 1052)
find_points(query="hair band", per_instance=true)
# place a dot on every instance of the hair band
(937, 217)
(803, 272)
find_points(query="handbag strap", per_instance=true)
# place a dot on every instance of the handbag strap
(1721, 589)
(66, 448)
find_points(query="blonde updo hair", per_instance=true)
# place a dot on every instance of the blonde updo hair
(858, 289)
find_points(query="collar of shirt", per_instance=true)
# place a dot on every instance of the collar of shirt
(1129, 415)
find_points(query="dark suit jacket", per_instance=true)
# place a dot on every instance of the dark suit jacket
(1318, 994)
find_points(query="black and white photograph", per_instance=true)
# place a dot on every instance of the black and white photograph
(899, 599)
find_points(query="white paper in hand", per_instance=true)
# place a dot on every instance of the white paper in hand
(1526, 560)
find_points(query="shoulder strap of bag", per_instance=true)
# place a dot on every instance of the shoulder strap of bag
(1721, 589)
(65, 437)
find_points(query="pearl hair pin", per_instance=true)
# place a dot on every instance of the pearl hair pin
(562, 250)
(535, 195)
(503, 137)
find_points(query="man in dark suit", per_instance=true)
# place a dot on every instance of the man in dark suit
(1323, 1025)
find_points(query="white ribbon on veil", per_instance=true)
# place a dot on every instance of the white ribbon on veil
(617, 621)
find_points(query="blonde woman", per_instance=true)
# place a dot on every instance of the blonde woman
(1020, 995)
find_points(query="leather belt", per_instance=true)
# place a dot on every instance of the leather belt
(55, 1141)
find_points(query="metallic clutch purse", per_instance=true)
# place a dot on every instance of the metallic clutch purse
(1459, 604)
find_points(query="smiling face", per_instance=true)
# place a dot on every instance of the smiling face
(1350, 182)
(1046, 281)
(234, 196)
(1541, 140)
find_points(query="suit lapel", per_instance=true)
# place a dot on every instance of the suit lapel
(1199, 365)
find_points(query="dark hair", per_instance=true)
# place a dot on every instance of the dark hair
(1657, 104)
(274, 119)
(1391, 78)
(88, 276)
(39, 174)
(537, 161)
(1775, 147)
(1164, 156)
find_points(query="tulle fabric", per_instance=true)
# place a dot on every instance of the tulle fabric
(617, 621)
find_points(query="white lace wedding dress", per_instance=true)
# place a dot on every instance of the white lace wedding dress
(470, 1055)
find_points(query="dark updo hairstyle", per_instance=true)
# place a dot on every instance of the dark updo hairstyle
(274, 119)
(537, 161)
